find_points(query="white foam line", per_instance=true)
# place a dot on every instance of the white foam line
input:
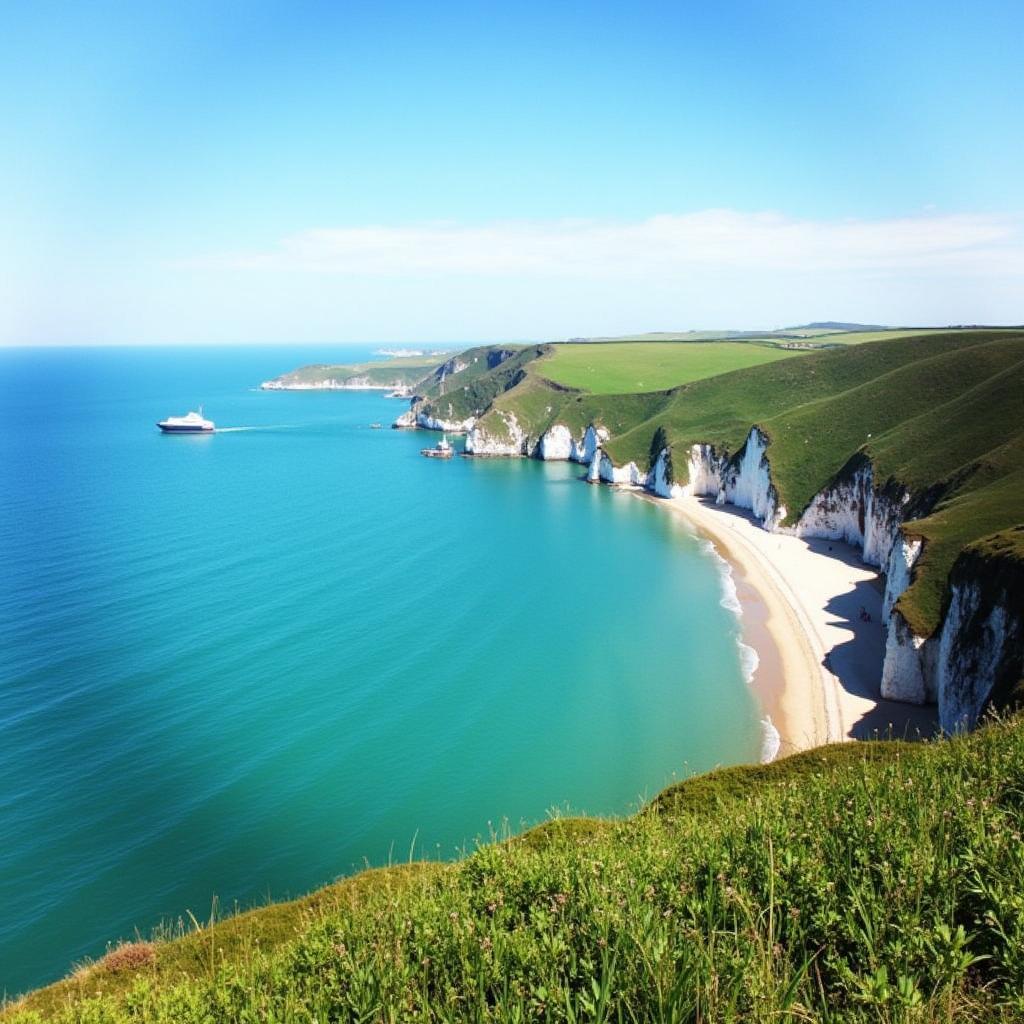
(749, 661)
(770, 740)
(730, 601)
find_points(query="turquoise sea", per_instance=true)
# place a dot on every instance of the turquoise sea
(238, 666)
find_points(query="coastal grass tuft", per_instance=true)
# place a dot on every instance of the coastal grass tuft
(881, 881)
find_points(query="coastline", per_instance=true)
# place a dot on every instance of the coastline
(819, 662)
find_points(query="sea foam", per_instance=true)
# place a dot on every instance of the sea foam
(749, 661)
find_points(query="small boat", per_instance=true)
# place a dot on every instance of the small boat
(193, 423)
(376, 426)
(441, 450)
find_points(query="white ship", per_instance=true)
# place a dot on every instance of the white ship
(193, 423)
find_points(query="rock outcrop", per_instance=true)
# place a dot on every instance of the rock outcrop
(412, 419)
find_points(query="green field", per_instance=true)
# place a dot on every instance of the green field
(621, 368)
(861, 882)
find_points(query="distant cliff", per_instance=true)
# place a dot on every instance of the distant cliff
(385, 374)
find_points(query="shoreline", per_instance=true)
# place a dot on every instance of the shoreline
(819, 663)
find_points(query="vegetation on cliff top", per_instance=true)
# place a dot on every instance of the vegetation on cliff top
(941, 413)
(869, 882)
(407, 370)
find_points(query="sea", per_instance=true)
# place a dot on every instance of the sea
(236, 667)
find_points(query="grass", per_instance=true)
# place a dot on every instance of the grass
(869, 882)
(940, 413)
(862, 337)
(606, 369)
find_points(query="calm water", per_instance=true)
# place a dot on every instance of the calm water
(245, 664)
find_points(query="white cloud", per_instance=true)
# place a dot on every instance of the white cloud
(435, 282)
(663, 247)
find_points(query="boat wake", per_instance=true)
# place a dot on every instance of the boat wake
(272, 426)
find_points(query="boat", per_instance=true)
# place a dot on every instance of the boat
(376, 426)
(441, 450)
(193, 423)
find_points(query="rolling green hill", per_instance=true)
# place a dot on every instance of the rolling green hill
(941, 413)
(861, 882)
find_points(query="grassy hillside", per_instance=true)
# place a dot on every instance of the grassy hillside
(941, 413)
(650, 366)
(407, 370)
(468, 384)
(868, 882)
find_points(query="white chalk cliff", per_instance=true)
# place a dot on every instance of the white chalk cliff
(956, 667)
(411, 419)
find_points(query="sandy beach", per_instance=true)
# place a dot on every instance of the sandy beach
(820, 661)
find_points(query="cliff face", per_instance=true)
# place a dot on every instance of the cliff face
(975, 655)
(514, 441)
(980, 650)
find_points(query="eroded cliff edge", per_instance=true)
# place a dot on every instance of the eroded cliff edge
(971, 661)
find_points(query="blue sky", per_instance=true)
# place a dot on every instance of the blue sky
(332, 171)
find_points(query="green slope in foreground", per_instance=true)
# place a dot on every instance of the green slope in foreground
(861, 882)
(941, 414)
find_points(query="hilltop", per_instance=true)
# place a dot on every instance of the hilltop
(836, 325)
(878, 881)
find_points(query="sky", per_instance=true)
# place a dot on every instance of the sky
(222, 172)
